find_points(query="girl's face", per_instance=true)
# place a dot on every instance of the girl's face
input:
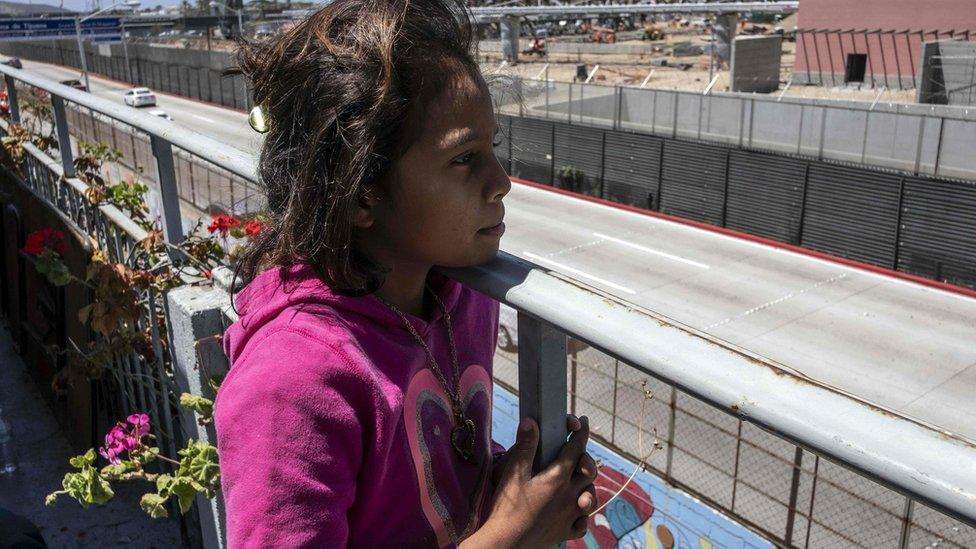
(446, 207)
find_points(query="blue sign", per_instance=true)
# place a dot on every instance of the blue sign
(97, 28)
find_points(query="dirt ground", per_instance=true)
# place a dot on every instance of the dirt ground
(631, 70)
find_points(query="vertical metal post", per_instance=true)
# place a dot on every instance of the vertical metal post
(674, 116)
(81, 52)
(918, 147)
(803, 204)
(613, 408)
(799, 130)
(830, 54)
(569, 114)
(884, 62)
(735, 467)
(906, 524)
(125, 50)
(806, 55)
(938, 147)
(752, 118)
(674, 410)
(794, 490)
(64, 137)
(864, 140)
(823, 131)
(542, 383)
(166, 177)
(12, 98)
(617, 122)
(894, 44)
(901, 205)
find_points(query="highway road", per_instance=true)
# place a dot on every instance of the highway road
(902, 345)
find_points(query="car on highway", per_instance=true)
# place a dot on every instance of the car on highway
(14, 62)
(160, 113)
(140, 97)
(74, 83)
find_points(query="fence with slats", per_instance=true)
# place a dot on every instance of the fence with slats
(918, 225)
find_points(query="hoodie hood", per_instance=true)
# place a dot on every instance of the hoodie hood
(291, 290)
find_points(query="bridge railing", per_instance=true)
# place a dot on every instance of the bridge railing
(919, 467)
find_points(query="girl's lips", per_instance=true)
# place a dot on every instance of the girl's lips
(497, 230)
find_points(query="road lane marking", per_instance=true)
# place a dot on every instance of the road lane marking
(651, 250)
(204, 118)
(768, 304)
(578, 272)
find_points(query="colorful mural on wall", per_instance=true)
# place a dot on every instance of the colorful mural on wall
(648, 514)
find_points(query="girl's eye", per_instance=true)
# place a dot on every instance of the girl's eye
(464, 159)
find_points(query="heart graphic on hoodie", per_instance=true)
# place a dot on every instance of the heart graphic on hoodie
(452, 490)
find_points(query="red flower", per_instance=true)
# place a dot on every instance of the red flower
(253, 228)
(46, 239)
(223, 223)
(3, 96)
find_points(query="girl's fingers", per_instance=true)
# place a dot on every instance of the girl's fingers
(569, 456)
(522, 454)
(578, 529)
(587, 468)
(587, 501)
(573, 423)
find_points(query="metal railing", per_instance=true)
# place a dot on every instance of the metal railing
(757, 398)
(919, 139)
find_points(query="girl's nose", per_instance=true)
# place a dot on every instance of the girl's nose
(498, 183)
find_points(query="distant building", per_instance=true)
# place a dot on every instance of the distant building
(874, 42)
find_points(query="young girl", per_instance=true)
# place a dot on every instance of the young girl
(357, 410)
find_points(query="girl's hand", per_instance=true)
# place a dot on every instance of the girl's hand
(546, 508)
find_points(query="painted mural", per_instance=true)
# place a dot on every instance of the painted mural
(648, 513)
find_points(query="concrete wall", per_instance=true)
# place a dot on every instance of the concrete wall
(948, 75)
(756, 63)
(494, 46)
(889, 32)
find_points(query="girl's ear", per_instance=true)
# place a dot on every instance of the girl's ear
(366, 207)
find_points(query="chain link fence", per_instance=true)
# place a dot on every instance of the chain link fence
(788, 494)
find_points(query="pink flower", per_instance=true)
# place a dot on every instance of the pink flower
(123, 438)
(140, 424)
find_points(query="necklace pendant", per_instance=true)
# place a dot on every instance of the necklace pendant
(462, 437)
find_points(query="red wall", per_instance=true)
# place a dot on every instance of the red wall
(889, 53)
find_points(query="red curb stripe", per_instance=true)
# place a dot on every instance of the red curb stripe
(945, 286)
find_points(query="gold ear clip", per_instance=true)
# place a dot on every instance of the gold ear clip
(257, 119)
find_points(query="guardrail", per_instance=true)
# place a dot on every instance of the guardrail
(927, 465)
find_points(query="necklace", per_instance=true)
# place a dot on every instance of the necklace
(462, 434)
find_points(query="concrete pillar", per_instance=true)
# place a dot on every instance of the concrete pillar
(724, 32)
(510, 25)
(197, 314)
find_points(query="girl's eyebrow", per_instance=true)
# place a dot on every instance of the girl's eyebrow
(462, 137)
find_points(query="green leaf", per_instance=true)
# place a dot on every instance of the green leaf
(200, 463)
(185, 492)
(87, 487)
(154, 505)
(147, 455)
(52, 498)
(79, 462)
(163, 484)
(197, 403)
(215, 381)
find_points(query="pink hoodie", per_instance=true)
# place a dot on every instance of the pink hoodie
(333, 431)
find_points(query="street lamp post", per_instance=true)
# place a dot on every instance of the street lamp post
(240, 22)
(81, 48)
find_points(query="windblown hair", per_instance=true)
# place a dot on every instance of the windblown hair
(344, 92)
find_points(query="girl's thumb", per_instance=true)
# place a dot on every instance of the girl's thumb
(523, 451)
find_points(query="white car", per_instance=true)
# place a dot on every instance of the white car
(160, 113)
(140, 97)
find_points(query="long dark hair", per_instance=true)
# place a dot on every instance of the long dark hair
(343, 91)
